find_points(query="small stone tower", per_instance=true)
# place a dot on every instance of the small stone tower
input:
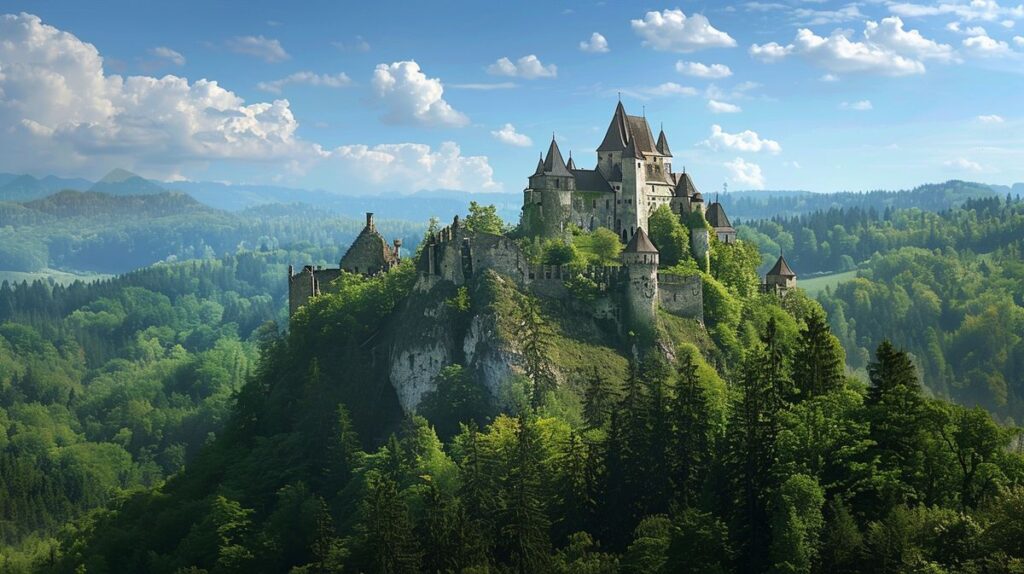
(640, 258)
(780, 279)
(548, 201)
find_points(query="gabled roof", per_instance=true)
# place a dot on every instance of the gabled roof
(663, 145)
(640, 135)
(716, 216)
(591, 180)
(684, 185)
(617, 135)
(553, 162)
(640, 243)
(781, 268)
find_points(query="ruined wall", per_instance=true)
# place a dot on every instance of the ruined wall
(308, 283)
(682, 296)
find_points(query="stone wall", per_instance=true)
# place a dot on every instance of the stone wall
(308, 283)
(682, 296)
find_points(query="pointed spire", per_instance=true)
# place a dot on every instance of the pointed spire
(553, 163)
(571, 165)
(617, 135)
(540, 165)
(662, 145)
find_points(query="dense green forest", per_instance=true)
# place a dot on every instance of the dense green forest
(98, 232)
(946, 286)
(115, 385)
(750, 453)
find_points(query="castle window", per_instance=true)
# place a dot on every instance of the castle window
(638, 165)
(594, 204)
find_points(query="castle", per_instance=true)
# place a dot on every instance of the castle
(633, 178)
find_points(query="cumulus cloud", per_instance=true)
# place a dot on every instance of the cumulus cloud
(987, 10)
(528, 67)
(745, 141)
(980, 43)
(267, 49)
(411, 97)
(887, 49)
(889, 33)
(168, 54)
(816, 17)
(415, 166)
(770, 52)
(714, 71)
(745, 173)
(990, 119)
(674, 31)
(62, 113)
(597, 44)
(339, 80)
(1019, 41)
(508, 134)
(963, 164)
(717, 107)
(858, 106)
(668, 89)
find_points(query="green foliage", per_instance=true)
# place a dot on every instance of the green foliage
(484, 218)
(599, 247)
(670, 236)
(457, 398)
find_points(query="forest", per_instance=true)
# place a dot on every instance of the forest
(162, 421)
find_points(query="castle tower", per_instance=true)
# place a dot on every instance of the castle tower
(547, 204)
(780, 278)
(640, 258)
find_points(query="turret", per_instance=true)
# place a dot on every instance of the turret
(640, 258)
(780, 278)
(548, 203)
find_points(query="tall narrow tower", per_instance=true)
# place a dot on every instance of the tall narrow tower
(640, 258)
(547, 204)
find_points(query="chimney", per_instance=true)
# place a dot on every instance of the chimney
(369, 219)
(398, 247)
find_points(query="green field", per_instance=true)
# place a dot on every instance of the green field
(818, 284)
(63, 277)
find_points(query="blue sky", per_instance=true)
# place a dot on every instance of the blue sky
(384, 97)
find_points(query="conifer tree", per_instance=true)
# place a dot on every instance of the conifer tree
(535, 343)
(819, 360)
(574, 489)
(692, 434)
(524, 521)
(599, 398)
(343, 451)
(388, 539)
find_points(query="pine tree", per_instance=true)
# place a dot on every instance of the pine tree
(536, 335)
(343, 451)
(574, 489)
(818, 365)
(599, 398)
(387, 537)
(692, 433)
(524, 521)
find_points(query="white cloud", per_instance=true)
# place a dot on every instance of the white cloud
(888, 49)
(597, 44)
(963, 164)
(813, 17)
(339, 80)
(668, 89)
(858, 106)
(745, 141)
(829, 78)
(411, 97)
(982, 44)
(508, 134)
(745, 173)
(168, 54)
(674, 31)
(415, 166)
(990, 119)
(1019, 41)
(267, 49)
(714, 71)
(889, 33)
(1008, 24)
(717, 107)
(528, 67)
(62, 113)
(987, 10)
(837, 53)
(770, 52)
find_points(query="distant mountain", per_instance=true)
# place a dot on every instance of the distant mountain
(15, 187)
(70, 203)
(122, 182)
